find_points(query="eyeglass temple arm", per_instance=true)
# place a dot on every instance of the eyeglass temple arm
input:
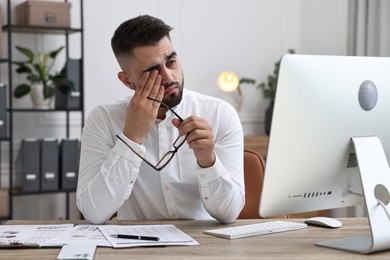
(123, 141)
(167, 107)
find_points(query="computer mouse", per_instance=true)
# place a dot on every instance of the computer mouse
(324, 222)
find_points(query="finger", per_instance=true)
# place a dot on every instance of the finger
(176, 122)
(198, 143)
(150, 83)
(160, 94)
(197, 134)
(200, 140)
(159, 97)
(140, 87)
(156, 89)
(193, 123)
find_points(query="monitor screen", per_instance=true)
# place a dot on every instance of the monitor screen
(321, 102)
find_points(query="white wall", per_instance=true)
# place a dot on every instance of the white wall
(246, 36)
(324, 27)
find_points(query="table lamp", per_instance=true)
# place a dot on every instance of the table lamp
(229, 82)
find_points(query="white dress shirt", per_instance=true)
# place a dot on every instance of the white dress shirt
(113, 178)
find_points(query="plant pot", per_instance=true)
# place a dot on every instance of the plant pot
(37, 97)
(268, 117)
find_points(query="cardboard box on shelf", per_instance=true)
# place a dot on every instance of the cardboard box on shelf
(43, 13)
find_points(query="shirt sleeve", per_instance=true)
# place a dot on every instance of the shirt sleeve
(222, 186)
(108, 169)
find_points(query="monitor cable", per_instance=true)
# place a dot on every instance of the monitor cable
(384, 208)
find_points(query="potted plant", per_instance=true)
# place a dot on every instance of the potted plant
(38, 68)
(269, 91)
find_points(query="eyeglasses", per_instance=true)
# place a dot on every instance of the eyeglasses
(167, 157)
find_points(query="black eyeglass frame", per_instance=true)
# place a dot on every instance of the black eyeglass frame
(170, 153)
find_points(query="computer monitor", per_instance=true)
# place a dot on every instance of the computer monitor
(331, 118)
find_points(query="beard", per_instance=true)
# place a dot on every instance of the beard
(175, 98)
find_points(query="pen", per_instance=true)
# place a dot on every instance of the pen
(136, 237)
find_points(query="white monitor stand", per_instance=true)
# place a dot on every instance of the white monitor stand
(375, 178)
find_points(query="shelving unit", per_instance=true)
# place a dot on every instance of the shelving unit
(9, 29)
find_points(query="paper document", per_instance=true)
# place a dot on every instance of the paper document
(166, 234)
(100, 235)
(31, 235)
(82, 234)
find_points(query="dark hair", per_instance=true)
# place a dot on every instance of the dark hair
(143, 30)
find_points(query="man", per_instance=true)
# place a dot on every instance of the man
(166, 152)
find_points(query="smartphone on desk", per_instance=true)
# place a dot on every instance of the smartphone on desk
(77, 252)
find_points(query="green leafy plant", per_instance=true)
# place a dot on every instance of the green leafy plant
(247, 81)
(269, 86)
(38, 67)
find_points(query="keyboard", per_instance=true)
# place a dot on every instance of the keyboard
(256, 229)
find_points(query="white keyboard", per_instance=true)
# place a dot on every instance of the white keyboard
(255, 229)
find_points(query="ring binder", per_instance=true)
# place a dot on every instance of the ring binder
(28, 165)
(49, 164)
(3, 112)
(69, 161)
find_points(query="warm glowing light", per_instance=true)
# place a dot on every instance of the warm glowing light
(228, 81)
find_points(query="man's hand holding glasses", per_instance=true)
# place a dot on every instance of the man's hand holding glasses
(167, 157)
(141, 113)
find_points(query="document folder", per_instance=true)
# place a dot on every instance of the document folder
(69, 163)
(71, 100)
(3, 112)
(49, 164)
(28, 166)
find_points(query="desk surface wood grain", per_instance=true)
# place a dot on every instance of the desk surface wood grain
(288, 245)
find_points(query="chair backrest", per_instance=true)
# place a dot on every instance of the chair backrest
(253, 174)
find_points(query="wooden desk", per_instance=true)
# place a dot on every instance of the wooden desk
(257, 144)
(288, 245)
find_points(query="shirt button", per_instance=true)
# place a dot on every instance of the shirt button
(166, 188)
(202, 175)
(206, 198)
(131, 181)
